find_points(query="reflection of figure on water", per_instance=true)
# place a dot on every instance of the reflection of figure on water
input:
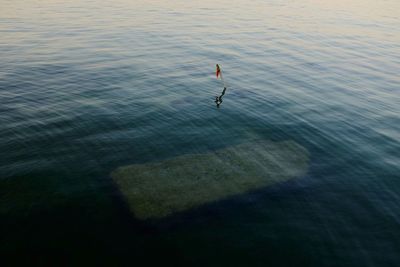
(218, 99)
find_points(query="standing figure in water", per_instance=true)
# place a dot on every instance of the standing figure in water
(218, 99)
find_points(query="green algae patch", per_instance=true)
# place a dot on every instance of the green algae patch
(158, 189)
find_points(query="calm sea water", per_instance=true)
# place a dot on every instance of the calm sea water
(88, 86)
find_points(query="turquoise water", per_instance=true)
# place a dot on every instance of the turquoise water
(89, 86)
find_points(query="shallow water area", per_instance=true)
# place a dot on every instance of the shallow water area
(156, 190)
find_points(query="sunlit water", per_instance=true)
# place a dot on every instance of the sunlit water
(88, 86)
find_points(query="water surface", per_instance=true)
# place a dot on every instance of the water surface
(89, 86)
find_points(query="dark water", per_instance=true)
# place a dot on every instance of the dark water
(88, 86)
